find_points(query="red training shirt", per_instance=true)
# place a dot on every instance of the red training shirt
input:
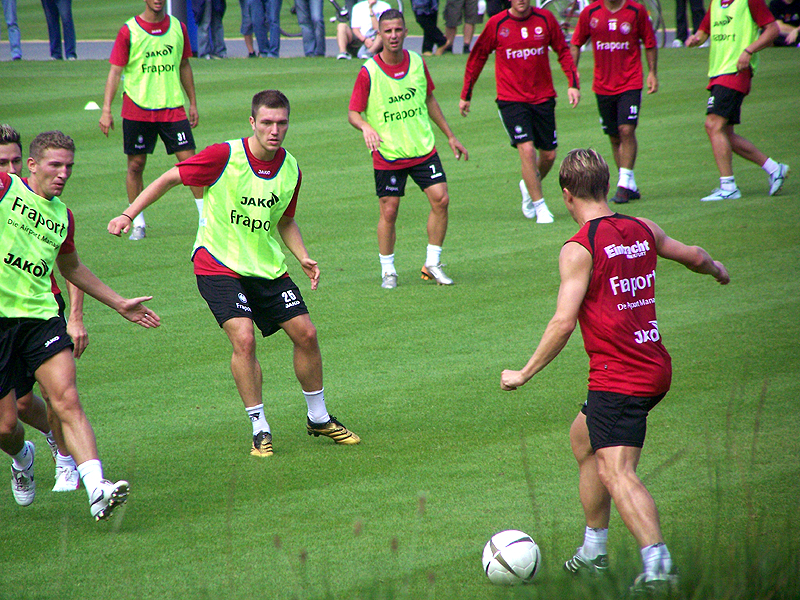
(618, 313)
(522, 64)
(616, 38)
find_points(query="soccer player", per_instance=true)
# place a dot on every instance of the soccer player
(617, 27)
(32, 409)
(38, 233)
(251, 190)
(733, 27)
(608, 272)
(152, 52)
(526, 99)
(393, 105)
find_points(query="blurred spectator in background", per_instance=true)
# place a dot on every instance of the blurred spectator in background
(360, 37)
(58, 14)
(454, 12)
(210, 34)
(312, 26)
(10, 14)
(266, 18)
(426, 12)
(681, 26)
(786, 12)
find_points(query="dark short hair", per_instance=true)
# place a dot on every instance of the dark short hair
(585, 174)
(270, 99)
(47, 140)
(389, 15)
(9, 135)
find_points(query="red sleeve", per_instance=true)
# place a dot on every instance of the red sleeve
(5, 182)
(431, 87)
(68, 246)
(760, 12)
(360, 96)
(705, 26)
(289, 212)
(581, 33)
(121, 51)
(205, 167)
(187, 45)
(559, 44)
(646, 30)
(486, 44)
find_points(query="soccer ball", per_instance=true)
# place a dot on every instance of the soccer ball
(511, 557)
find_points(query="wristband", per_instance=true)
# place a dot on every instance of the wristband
(748, 51)
(124, 215)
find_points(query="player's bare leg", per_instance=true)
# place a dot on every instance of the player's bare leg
(307, 356)
(134, 184)
(719, 134)
(12, 434)
(533, 171)
(628, 147)
(439, 199)
(387, 235)
(530, 170)
(245, 367)
(57, 376)
(616, 467)
(33, 411)
(595, 499)
(545, 162)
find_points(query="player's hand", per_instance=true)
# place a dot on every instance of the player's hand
(744, 61)
(574, 96)
(194, 116)
(79, 335)
(119, 225)
(135, 311)
(511, 380)
(106, 123)
(791, 37)
(652, 83)
(463, 107)
(312, 270)
(694, 40)
(722, 276)
(371, 137)
(458, 149)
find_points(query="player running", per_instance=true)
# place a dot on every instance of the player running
(526, 98)
(617, 28)
(608, 272)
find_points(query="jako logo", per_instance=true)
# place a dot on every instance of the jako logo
(402, 97)
(27, 266)
(156, 53)
(51, 341)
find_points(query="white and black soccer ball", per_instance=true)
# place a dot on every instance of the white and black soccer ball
(511, 557)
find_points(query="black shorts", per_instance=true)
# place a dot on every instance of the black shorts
(25, 344)
(725, 102)
(619, 109)
(530, 123)
(25, 382)
(266, 302)
(139, 137)
(616, 419)
(393, 182)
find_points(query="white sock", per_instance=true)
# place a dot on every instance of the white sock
(317, 412)
(24, 458)
(626, 179)
(387, 264)
(539, 203)
(256, 414)
(91, 473)
(770, 166)
(434, 255)
(652, 559)
(595, 542)
(65, 461)
(139, 220)
(727, 183)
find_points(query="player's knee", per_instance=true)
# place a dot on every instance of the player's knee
(136, 164)
(306, 337)
(440, 202)
(8, 424)
(65, 402)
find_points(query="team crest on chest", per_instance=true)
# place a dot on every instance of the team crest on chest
(625, 28)
(504, 32)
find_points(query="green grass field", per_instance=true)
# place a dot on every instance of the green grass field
(447, 458)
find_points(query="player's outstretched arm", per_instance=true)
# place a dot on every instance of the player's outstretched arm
(437, 116)
(697, 38)
(693, 258)
(290, 234)
(575, 266)
(149, 195)
(132, 309)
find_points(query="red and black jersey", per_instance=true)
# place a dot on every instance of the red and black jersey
(615, 41)
(522, 64)
(618, 313)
